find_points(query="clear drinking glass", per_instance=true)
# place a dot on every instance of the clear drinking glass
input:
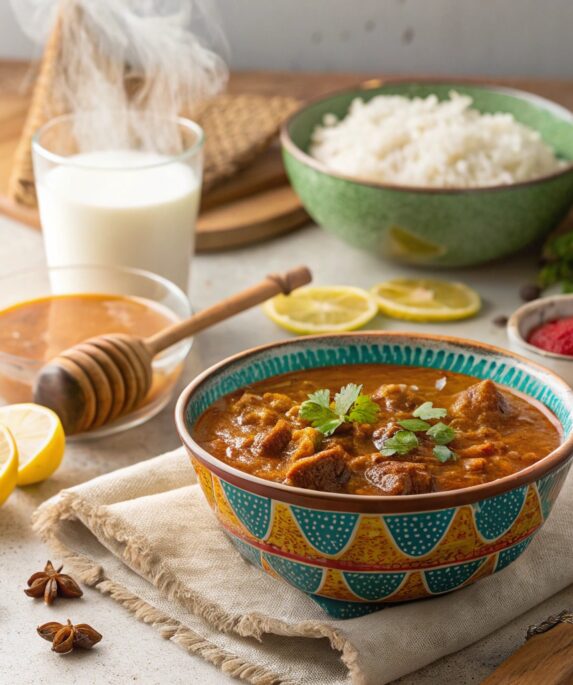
(122, 190)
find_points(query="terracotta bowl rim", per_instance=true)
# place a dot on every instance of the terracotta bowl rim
(555, 108)
(374, 503)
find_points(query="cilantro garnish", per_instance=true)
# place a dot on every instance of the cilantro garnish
(405, 440)
(427, 411)
(443, 453)
(320, 397)
(414, 425)
(349, 405)
(364, 410)
(345, 398)
(557, 259)
(441, 433)
(401, 442)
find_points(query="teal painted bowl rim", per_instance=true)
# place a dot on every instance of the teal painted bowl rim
(543, 103)
(378, 503)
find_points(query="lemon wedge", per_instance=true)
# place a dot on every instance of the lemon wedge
(8, 464)
(40, 438)
(424, 299)
(322, 309)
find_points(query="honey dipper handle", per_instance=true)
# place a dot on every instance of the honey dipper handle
(272, 285)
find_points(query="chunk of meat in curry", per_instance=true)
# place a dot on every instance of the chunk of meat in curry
(259, 430)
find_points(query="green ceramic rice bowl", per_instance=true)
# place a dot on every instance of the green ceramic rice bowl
(434, 226)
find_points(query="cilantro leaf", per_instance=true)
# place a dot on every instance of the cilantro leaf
(320, 397)
(443, 453)
(561, 247)
(364, 410)
(549, 275)
(427, 411)
(401, 442)
(320, 417)
(441, 433)
(348, 405)
(414, 424)
(345, 398)
(311, 411)
(328, 426)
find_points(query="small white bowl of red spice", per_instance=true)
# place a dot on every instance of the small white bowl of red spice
(543, 331)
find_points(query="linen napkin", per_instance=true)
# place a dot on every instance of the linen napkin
(145, 536)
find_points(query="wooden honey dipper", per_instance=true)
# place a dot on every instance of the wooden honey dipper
(100, 379)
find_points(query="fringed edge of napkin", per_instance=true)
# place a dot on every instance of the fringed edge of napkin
(137, 555)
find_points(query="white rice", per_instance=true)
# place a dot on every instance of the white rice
(424, 142)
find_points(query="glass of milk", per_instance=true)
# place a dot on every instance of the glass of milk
(121, 189)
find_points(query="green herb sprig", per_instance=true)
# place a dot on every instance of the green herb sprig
(406, 440)
(557, 266)
(427, 411)
(415, 425)
(349, 405)
(443, 453)
(441, 433)
(401, 442)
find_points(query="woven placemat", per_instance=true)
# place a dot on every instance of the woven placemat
(237, 128)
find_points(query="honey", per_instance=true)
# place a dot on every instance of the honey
(33, 332)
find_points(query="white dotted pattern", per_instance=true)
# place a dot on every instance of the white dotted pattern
(417, 534)
(327, 531)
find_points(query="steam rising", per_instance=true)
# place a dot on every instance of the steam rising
(120, 56)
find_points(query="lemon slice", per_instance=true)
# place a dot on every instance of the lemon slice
(322, 309)
(40, 438)
(424, 299)
(8, 464)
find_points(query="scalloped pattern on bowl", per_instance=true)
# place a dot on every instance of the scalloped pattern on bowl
(377, 557)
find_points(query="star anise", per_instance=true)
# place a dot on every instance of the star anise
(51, 583)
(65, 637)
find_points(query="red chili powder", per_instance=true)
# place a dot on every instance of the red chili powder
(554, 336)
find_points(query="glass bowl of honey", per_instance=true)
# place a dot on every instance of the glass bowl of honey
(44, 310)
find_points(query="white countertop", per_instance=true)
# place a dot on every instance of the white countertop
(132, 651)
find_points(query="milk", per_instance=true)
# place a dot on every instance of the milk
(121, 208)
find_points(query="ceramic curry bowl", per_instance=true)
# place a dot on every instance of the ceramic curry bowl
(354, 553)
(433, 226)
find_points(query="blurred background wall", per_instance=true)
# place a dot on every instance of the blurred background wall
(486, 37)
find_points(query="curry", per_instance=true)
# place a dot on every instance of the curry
(393, 430)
